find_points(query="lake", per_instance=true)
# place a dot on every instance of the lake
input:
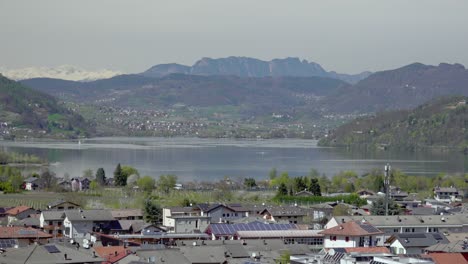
(212, 159)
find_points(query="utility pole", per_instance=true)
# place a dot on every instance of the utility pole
(387, 169)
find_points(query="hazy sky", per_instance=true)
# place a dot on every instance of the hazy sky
(346, 36)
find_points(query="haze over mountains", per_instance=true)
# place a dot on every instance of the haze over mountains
(250, 67)
(401, 88)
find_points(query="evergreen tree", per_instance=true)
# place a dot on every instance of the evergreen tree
(119, 177)
(152, 212)
(282, 190)
(378, 207)
(101, 177)
(299, 184)
(314, 187)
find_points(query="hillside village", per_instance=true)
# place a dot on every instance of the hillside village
(432, 230)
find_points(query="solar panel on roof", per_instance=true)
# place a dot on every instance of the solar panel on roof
(27, 232)
(52, 249)
(369, 228)
(8, 243)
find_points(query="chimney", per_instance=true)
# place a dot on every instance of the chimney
(116, 253)
(94, 254)
(65, 256)
(342, 220)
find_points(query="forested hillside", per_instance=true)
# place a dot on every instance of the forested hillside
(24, 111)
(442, 122)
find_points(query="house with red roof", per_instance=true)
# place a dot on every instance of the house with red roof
(13, 236)
(19, 213)
(351, 234)
(113, 254)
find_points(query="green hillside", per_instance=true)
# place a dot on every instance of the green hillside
(439, 123)
(27, 112)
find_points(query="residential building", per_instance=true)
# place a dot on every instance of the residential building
(127, 214)
(229, 231)
(292, 214)
(80, 184)
(62, 205)
(78, 223)
(15, 236)
(409, 223)
(414, 243)
(169, 222)
(351, 234)
(190, 224)
(447, 194)
(18, 213)
(33, 183)
(222, 212)
(50, 253)
(52, 222)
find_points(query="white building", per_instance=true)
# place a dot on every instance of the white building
(351, 234)
(79, 222)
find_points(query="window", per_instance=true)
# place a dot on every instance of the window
(224, 215)
(396, 230)
(227, 215)
(333, 238)
(347, 239)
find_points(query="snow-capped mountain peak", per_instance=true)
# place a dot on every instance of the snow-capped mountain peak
(65, 72)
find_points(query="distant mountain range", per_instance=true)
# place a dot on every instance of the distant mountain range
(252, 95)
(402, 88)
(250, 67)
(29, 112)
(65, 72)
(442, 122)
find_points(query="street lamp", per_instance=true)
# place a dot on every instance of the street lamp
(387, 169)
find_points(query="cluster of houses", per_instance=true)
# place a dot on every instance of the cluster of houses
(240, 233)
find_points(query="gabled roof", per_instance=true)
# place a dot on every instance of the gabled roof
(409, 240)
(445, 189)
(383, 221)
(21, 232)
(126, 213)
(17, 210)
(458, 246)
(451, 258)
(31, 179)
(28, 221)
(46, 254)
(59, 202)
(208, 254)
(88, 215)
(166, 255)
(112, 254)
(53, 215)
(180, 209)
(284, 211)
(353, 228)
(204, 207)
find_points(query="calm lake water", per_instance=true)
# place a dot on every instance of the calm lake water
(212, 159)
